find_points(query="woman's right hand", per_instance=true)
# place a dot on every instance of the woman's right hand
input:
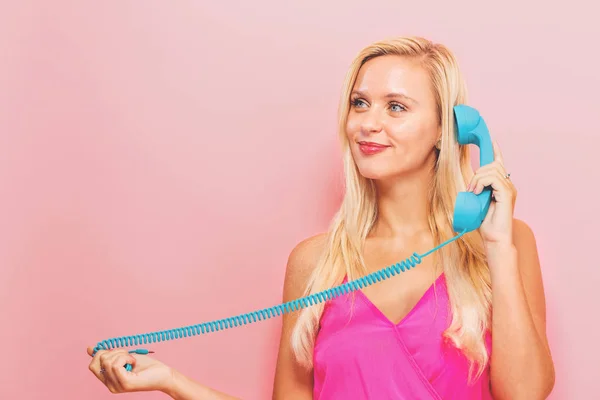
(147, 374)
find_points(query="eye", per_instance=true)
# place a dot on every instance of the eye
(356, 102)
(399, 107)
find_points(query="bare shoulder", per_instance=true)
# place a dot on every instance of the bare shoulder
(292, 380)
(531, 272)
(525, 242)
(301, 263)
(522, 233)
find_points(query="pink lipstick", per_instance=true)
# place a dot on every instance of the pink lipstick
(370, 148)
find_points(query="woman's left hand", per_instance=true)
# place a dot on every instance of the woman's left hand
(148, 374)
(497, 224)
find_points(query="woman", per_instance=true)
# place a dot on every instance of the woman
(425, 334)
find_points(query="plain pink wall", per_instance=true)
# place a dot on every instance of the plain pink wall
(158, 157)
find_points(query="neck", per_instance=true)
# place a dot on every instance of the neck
(403, 205)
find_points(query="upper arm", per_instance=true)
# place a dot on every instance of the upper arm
(531, 275)
(291, 380)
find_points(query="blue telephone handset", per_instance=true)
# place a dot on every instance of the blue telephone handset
(469, 212)
(470, 208)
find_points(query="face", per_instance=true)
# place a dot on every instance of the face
(392, 105)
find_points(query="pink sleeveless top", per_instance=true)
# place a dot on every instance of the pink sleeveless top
(360, 354)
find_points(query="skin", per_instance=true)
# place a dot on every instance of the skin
(521, 365)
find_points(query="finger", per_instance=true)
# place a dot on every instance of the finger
(109, 364)
(500, 188)
(485, 170)
(499, 171)
(105, 372)
(95, 366)
(496, 164)
(497, 152)
(121, 375)
(480, 181)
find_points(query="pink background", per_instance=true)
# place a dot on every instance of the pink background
(157, 157)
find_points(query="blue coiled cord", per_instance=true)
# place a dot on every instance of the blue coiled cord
(266, 313)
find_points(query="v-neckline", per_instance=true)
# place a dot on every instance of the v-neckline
(378, 311)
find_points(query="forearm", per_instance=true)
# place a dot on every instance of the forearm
(183, 388)
(521, 366)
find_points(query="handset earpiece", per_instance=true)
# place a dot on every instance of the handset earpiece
(470, 209)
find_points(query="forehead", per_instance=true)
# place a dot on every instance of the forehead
(391, 73)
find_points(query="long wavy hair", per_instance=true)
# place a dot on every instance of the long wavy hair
(463, 261)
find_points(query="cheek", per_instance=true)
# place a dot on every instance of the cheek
(352, 127)
(412, 132)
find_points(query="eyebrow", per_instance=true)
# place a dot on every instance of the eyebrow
(387, 96)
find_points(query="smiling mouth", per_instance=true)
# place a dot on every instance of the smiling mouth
(371, 148)
(371, 144)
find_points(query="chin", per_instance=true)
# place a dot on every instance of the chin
(382, 170)
(375, 173)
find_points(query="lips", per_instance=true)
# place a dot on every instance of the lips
(371, 144)
(370, 148)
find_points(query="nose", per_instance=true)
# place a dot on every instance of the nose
(370, 123)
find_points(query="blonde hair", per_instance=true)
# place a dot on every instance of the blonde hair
(463, 261)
